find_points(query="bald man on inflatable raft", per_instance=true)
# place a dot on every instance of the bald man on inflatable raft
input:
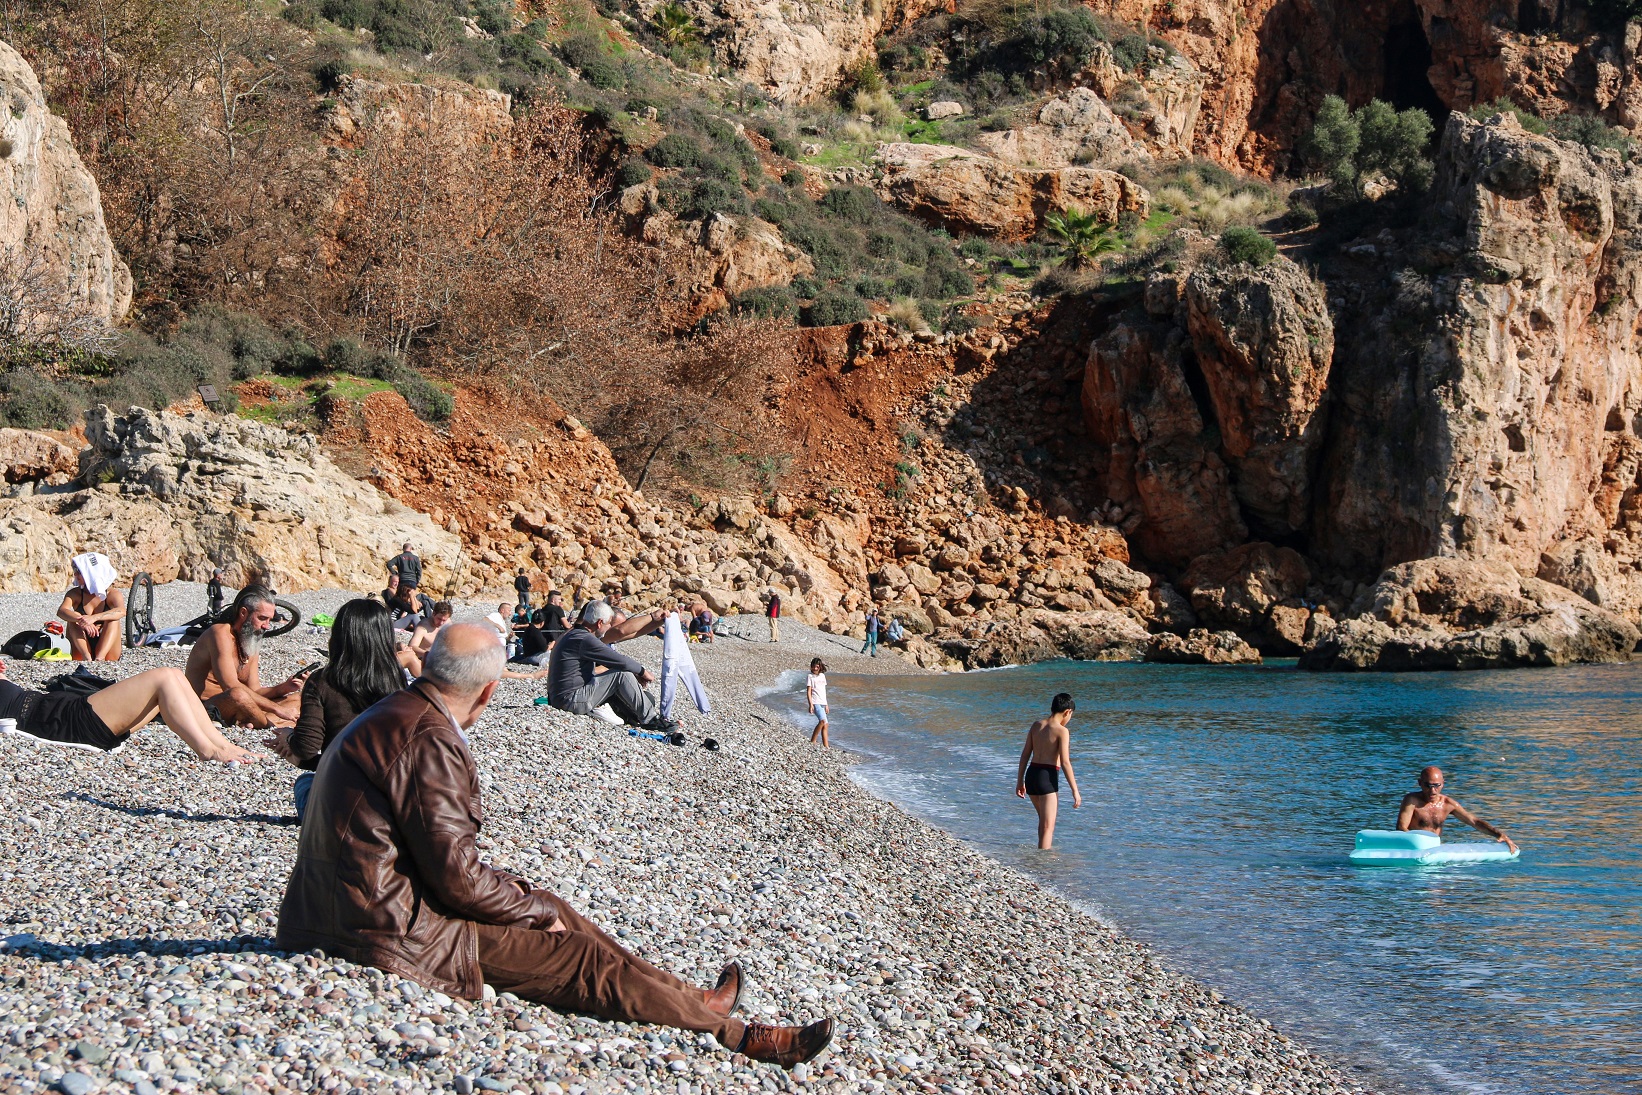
(1428, 808)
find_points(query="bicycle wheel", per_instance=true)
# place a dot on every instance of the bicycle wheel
(286, 617)
(139, 610)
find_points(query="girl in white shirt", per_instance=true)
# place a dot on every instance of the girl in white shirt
(815, 693)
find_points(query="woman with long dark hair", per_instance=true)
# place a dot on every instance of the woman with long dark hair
(363, 669)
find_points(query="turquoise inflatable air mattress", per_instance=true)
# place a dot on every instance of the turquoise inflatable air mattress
(1388, 848)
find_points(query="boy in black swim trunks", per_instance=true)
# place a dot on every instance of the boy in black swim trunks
(1048, 749)
(103, 721)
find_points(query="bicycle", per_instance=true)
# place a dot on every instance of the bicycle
(140, 625)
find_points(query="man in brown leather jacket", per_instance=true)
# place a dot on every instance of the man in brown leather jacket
(388, 875)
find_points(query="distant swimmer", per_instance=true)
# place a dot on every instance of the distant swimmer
(1048, 749)
(1428, 808)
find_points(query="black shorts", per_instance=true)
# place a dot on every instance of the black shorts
(1042, 779)
(69, 720)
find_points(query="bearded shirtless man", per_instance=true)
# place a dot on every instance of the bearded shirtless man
(222, 668)
(1428, 808)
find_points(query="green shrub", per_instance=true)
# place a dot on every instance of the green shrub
(855, 204)
(1130, 52)
(1300, 215)
(1590, 132)
(676, 150)
(1352, 146)
(806, 288)
(787, 147)
(30, 400)
(871, 288)
(710, 196)
(1060, 40)
(793, 178)
(528, 55)
(834, 309)
(586, 53)
(766, 302)
(632, 172)
(1530, 121)
(1245, 245)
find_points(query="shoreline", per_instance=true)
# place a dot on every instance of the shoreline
(945, 968)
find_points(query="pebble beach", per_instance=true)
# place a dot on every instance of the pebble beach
(139, 893)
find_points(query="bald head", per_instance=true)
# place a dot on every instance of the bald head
(464, 659)
(1431, 775)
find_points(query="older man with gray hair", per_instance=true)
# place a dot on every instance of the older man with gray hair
(388, 874)
(575, 684)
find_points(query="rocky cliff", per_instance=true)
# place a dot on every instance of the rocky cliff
(56, 258)
(176, 495)
(1465, 390)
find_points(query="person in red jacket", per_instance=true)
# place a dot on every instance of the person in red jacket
(774, 613)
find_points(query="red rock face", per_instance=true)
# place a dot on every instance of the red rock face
(1269, 64)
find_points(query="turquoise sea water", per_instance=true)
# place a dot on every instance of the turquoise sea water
(1219, 805)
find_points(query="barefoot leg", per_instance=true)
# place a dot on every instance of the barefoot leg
(1047, 806)
(132, 704)
(78, 647)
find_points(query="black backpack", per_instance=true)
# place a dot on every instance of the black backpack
(25, 644)
(81, 682)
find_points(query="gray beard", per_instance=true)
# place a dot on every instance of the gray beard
(249, 639)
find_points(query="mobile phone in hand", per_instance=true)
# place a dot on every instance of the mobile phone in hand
(309, 668)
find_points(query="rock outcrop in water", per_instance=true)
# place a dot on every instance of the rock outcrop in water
(1462, 614)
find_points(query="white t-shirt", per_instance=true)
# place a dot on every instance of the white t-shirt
(818, 689)
(500, 625)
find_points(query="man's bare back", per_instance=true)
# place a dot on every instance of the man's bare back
(1428, 808)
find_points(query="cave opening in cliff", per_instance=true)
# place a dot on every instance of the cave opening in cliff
(1407, 80)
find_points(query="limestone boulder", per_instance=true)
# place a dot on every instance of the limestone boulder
(1249, 589)
(1202, 647)
(965, 191)
(1446, 613)
(53, 240)
(1075, 128)
(1045, 635)
(29, 457)
(795, 52)
(176, 495)
(1264, 341)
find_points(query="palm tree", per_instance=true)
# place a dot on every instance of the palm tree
(675, 25)
(1083, 236)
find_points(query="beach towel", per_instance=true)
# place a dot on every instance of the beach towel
(677, 667)
(96, 573)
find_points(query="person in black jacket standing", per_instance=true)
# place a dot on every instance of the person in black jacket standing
(408, 568)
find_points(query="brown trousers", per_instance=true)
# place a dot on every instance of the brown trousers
(583, 969)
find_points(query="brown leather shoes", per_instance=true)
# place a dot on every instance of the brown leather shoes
(785, 1046)
(726, 997)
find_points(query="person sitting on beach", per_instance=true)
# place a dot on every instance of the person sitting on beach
(1048, 749)
(893, 632)
(1428, 808)
(388, 874)
(421, 640)
(91, 609)
(223, 666)
(815, 694)
(701, 624)
(362, 670)
(575, 684)
(554, 623)
(105, 720)
(403, 609)
(534, 644)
